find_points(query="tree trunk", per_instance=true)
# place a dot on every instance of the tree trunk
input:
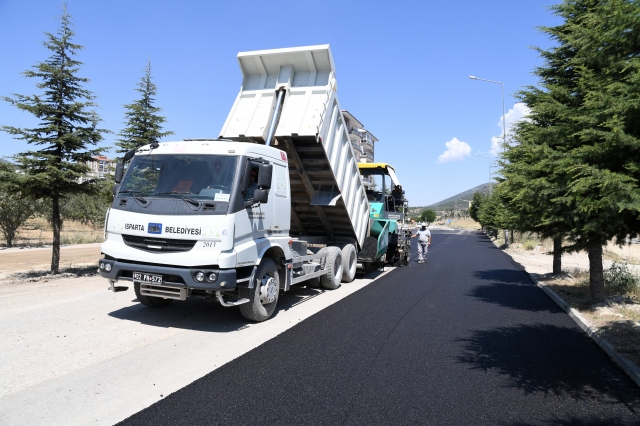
(9, 237)
(511, 236)
(557, 254)
(57, 226)
(506, 238)
(596, 274)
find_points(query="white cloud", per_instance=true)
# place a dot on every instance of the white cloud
(456, 151)
(514, 115)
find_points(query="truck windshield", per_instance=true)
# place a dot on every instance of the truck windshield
(377, 185)
(208, 177)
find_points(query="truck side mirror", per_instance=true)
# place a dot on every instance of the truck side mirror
(264, 176)
(116, 189)
(119, 172)
(260, 195)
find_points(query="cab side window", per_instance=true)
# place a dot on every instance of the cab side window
(252, 184)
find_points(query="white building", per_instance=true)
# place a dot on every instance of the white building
(362, 141)
(101, 166)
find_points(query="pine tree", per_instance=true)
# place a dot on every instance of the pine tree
(476, 205)
(604, 154)
(67, 127)
(576, 166)
(144, 125)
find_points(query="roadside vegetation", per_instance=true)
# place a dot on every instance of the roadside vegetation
(571, 168)
(38, 232)
(52, 184)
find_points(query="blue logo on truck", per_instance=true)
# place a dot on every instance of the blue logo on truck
(155, 228)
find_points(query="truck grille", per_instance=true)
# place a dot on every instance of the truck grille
(158, 244)
(164, 291)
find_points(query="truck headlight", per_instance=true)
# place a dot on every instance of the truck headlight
(200, 276)
(107, 267)
(212, 277)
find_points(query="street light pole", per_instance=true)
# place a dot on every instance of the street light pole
(504, 129)
(504, 126)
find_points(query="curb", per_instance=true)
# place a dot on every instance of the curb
(627, 366)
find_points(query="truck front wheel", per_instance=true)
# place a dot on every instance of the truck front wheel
(264, 294)
(150, 301)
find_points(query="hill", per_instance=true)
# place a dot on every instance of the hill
(459, 201)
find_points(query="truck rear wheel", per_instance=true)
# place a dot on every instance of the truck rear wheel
(333, 266)
(349, 263)
(264, 294)
(150, 301)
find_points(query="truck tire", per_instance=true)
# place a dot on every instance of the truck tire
(150, 301)
(263, 297)
(333, 266)
(349, 263)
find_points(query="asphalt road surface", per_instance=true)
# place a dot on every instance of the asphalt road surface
(466, 338)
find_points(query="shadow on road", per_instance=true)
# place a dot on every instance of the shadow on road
(517, 353)
(521, 295)
(191, 314)
(198, 314)
(504, 275)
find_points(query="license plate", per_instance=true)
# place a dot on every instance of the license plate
(147, 278)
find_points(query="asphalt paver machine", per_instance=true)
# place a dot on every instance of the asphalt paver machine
(389, 238)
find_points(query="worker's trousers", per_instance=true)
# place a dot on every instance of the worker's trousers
(422, 250)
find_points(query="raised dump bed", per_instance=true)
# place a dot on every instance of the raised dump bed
(297, 89)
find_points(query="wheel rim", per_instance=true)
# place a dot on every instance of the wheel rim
(268, 290)
(352, 263)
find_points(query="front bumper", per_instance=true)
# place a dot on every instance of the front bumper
(172, 276)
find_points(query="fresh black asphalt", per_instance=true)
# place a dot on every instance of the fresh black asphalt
(465, 339)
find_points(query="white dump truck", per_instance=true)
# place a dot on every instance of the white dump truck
(276, 200)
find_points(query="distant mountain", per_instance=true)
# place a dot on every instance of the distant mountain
(459, 201)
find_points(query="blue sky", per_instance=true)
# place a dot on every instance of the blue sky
(402, 68)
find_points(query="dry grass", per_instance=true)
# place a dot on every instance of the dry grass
(65, 272)
(464, 223)
(627, 253)
(616, 320)
(37, 232)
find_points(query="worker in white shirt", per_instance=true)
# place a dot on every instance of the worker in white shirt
(424, 241)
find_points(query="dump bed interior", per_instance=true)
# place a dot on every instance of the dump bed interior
(327, 194)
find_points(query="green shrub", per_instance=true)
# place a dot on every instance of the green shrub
(529, 244)
(619, 279)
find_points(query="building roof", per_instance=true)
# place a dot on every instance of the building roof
(354, 121)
